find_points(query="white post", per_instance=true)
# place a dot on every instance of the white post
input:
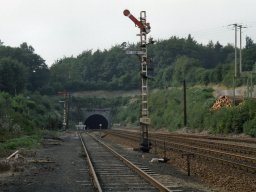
(100, 129)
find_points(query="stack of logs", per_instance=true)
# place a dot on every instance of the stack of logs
(226, 101)
(222, 101)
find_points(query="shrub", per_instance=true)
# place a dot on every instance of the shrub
(249, 127)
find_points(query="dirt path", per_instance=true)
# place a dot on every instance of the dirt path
(66, 172)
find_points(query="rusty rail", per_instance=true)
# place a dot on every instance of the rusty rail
(136, 169)
(198, 152)
(91, 168)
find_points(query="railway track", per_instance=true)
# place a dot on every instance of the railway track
(113, 172)
(215, 138)
(235, 140)
(201, 150)
(213, 144)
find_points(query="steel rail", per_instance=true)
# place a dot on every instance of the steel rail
(217, 153)
(203, 149)
(244, 140)
(91, 168)
(218, 138)
(128, 163)
(248, 168)
(211, 144)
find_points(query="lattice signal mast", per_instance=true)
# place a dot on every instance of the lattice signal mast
(66, 96)
(144, 119)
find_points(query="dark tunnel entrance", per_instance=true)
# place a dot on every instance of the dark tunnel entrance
(94, 121)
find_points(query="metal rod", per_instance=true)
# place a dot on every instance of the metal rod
(155, 148)
(188, 165)
(188, 158)
(164, 149)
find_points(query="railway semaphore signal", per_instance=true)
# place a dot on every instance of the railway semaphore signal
(142, 53)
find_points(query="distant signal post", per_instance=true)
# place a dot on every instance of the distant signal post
(142, 53)
(66, 96)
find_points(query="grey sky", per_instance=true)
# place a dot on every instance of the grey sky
(58, 28)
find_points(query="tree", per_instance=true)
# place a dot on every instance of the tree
(13, 75)
(183, 69)
(37, 70)
(26, 47)
(249, 55)
(248, 42)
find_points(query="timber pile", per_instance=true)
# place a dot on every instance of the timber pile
(222, 101)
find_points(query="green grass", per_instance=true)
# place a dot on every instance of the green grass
(17, 143)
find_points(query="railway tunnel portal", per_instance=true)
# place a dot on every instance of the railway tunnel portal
(97, 118)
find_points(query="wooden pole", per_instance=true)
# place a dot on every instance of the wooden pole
(185, 102)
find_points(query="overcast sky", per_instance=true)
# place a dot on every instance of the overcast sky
(58, 28)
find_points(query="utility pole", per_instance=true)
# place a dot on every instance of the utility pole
(240, 51)
(240, 54)
(142, 53)
(235, 25)
(238, 71)
(234, 79)
(185, 102)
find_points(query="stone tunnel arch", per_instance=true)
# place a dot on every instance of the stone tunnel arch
(94, 121)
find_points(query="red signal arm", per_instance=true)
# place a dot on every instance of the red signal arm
(136, 21)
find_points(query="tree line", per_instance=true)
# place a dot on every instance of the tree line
(25, 78)
(172, 61)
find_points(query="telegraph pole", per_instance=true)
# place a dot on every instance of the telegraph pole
(185, 102)
(238, 71)
(240, 51)
(240, 55)
(235, 25)
(142, 53)
(234, 78)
